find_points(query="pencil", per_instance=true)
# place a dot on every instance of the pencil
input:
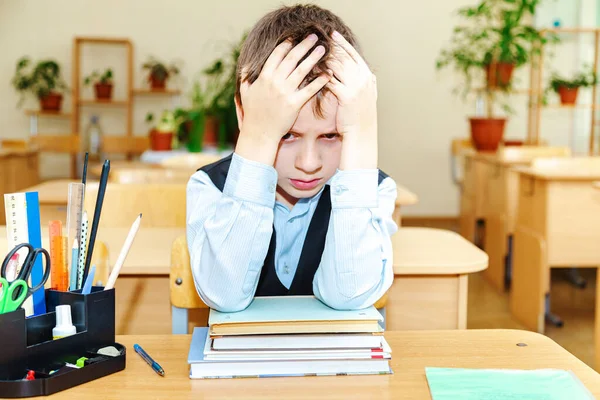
(124, 251)
(82, 249)
(74, 265)
(85, 163)
(96, 220)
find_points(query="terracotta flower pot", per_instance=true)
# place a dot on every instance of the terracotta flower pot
(51, 102)
(103, 91)
(567, 95)
(211, 130)
(160, 141)
(499, 74)
(487, 133)
(157, 83)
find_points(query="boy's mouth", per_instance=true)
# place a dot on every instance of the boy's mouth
(305, 185)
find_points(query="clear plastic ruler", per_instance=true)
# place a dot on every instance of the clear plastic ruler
(17, 232)
(74, 213)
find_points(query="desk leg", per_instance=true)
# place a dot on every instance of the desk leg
(495, 247)
(417, 302)
(530, 279)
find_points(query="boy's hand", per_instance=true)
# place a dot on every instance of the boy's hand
(271, 104)
(355, 87)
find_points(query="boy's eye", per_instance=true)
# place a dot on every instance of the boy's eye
(330, 136)
(287, 136)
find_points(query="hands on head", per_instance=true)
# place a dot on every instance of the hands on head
(271, 103)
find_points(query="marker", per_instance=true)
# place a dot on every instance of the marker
(155, 366)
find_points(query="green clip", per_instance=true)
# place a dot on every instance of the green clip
(81, 362)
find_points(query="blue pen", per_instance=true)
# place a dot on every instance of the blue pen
(87, 286)
(155, 366)
(74, 265)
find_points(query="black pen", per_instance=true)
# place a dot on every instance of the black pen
(96, 221)
(155, 366)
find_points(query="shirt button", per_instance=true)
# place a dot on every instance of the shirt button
(286, 270)
(338, 190)
(272, 188)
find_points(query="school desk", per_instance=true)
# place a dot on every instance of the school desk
(431, 268)
(19, 168)
(557, 226)
(412, 352)
(500, 206)
(404, 198)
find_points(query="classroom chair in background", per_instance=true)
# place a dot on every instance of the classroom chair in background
(183, 292)
(190, 162)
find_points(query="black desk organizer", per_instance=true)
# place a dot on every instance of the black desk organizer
(26, 344)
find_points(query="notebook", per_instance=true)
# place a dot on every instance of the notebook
(293, 314)
(303, 341)
(201, 368)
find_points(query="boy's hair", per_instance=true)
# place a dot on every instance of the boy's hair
(296, 23)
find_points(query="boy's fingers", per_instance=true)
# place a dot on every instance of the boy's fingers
(338, 68)
(292, 58)
(343, 43)
(276, 56)
(298, 75)
(312, 88)
(336, 87)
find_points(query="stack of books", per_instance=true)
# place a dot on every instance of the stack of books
(289, 336)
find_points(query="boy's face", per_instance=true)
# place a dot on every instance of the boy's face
(309, 154)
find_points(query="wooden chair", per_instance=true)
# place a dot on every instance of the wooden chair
(457, 147)
(183, 291)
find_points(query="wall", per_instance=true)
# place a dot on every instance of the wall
(418, 115)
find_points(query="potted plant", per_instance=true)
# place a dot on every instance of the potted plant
(567, 89)
(162, 134)
(159, 72)
(103, 83)
(44, 81)
(213, 98)
(496, 40)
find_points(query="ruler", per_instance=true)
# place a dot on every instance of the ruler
(74, 213)
(17, 232)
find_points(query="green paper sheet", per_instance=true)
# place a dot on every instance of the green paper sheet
(504, 384)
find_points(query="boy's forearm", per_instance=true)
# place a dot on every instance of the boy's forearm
(258, 146)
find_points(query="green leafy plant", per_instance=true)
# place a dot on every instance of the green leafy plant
(159, 70)
(97, 77)
(40, 80)
(586, 78)
(213, 93)
(496, 31)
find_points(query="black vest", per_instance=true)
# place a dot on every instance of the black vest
(312, 250)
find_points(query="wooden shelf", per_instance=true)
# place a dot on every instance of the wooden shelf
(114, 103)
(102, 40)
(51, 114)
(509, 91)
(569, 106)
(156, 92)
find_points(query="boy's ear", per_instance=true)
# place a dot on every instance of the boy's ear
(239, 112)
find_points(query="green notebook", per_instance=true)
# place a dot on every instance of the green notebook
(504, 384)
(293, 314)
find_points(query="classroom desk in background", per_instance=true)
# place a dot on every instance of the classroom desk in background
(412, 352)
(557, 226)
(19, 168)
(431, 268)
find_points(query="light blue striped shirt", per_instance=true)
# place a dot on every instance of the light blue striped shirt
(229, 232)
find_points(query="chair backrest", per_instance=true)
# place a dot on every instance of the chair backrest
(190, 162)
(162, 205)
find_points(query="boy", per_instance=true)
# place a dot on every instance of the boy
(300, 207)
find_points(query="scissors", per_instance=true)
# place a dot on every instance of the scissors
(16, 291)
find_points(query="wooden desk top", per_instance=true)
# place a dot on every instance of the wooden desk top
(150, 253)
(517, 155)
(428, 251)
(412, 351)
(17, 151)
(405, 197)
(53, 192)
(560, 175)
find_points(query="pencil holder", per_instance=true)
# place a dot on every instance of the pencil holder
(27, 345)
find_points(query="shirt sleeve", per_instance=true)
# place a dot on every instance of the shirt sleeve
(228, 233)
(357, 266)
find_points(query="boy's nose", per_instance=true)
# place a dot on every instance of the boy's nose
(308, 160)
